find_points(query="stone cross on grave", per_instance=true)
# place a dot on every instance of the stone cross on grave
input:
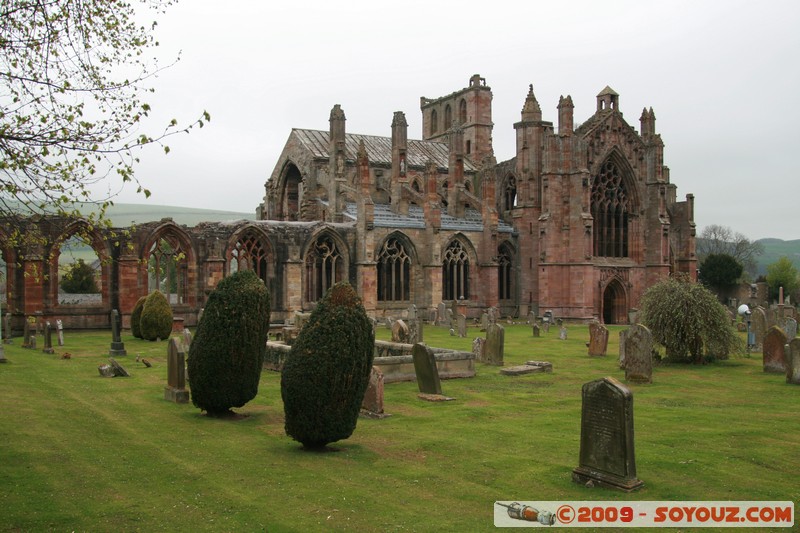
(48, 338)
(117, 346)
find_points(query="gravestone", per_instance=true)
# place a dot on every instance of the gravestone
(607, 455)
(462, 326)
(373, 397)
(425, 369)
(7, 329)
(451, 319)
(107, 371)
(187, 340)
(441, 315)
(484, 321)
(400, 332)
(790, 328)
(793, 362)
(536, 332)
(48, 338)
(119, 370)
(774, 351)
(623, 334)
(758, 325)
(598, 339)
(546, 325)
(60, 330)
(26, 334)
(433, 316)
(491, 316)
(530, 367)
(495, 345)
(117, 346)
(562, 333)
(477, 348)
(32, 341)
(412, 312)
(175, 391)
(639, 355)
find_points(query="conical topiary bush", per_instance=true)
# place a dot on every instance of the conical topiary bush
(227, 352)
(327, 372)
(136, 317)
(156, 320)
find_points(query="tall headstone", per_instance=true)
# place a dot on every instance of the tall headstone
(495, 345)
(187, 339)
(758, 325)
(7, 328)
(536, 331)
(175, 391)
(484, 321)
(790, 328)
(562, 332)
(477, 348)
(441, 315)
(425, 369)
(26, 334)
(793, 362)
(373, 397)
(598, 339)
(607, 455)
(623, 334)
(48, 338)
(60, 330)
(639, 355)
(462, 325)
(399, 331)
(774, 350)
(117, 346)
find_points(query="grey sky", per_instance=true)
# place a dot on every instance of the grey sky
(722, 78)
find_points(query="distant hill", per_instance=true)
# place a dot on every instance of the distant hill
(127, 214)
(774, 249)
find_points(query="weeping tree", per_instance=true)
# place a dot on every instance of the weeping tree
(327, 372)
(688, 320)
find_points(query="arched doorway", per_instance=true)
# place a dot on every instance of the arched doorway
(614, 304)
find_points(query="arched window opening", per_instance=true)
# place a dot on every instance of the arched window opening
(510, 194)
(290, 200)
(469, 147)
(80, 272)
(614, 306)
(610, 210)
(249, 253)
(434, 122)
(455, 272)
(394, 272)
(167, 269)
(505, 274)
(324, 267)
(448, 117)
(462, 111)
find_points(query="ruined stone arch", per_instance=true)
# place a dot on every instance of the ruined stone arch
(326, 262)
(290, 192)
(100, 245)
(614, 203)
(250, 248)
(462, 111)
(457, 258)
(434, 122)
(169, 264)
(396, 260)
(448, 117)
(614, 301)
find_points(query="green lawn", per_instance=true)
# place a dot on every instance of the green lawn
(83, 453)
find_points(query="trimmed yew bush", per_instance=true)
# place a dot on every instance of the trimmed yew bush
(227, 352)
(156, 320)
(327, 372)
(136, 318)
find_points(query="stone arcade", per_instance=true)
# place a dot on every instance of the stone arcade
(580, 221)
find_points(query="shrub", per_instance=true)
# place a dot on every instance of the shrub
(136, 317)
(688, 320)
(325, 376)
(156, 320)
(79, 279)
(227, 353)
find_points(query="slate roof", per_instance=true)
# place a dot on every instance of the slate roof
(385, 218)
(379, 149)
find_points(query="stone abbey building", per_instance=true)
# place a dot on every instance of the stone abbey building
(580, 222)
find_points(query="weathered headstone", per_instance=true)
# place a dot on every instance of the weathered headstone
(187, 339)
(425, 369)
(7, 329)
(793, 362)
(546, 325)
(790, 328)
(536, 331)
(32, 341)
(462, 326)
(412, 312)
(119, 370)
(598, 339)
(107, 371)
(491, 316)
(639, 355)
(484, 321)
(562, 333)
(60, 330)
(623, 334)
(495, 345)
(400, 332)
(774, 351)
(26, 334)
(117, 346)
(531, 367)
(477, 348)
(175, 391)
(758, 325)
(373, 397)
(48, 338)
(607, 454)
(441, 315)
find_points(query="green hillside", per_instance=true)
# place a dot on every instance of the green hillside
(127, 214)
(774, 249)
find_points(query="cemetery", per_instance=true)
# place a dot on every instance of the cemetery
(132, 453)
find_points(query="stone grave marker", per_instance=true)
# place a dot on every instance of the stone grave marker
(639, 355)
(117, 346)
(530, 367)
(7, 329)
(477, 348)
(32, 341)
(562, 333)
(119, 370)
(536, 331)
(606, 454)
(484, 321)
(495, 344)
(26, 334)
(623, 334)
(400, 332)
(441, 315)
(187, 339)
(793, 362)
(60, 330)
(598, 339)
(774, 351)
(462, 326)
(758, 325)
(372, 405)
(175, 391)
(412, 312)
(546, 325)
(425, 369)
(48, 338)
(790, 328)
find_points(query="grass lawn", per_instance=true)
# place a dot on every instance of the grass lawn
(79, 452)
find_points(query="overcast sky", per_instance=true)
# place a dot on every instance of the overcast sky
(722, 77)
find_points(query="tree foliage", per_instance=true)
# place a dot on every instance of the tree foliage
(720, 273)
(79, 279)
(72, 101)
(227, 353)
(136, 317)
(688, 321)
(327, 372)
(716, 239)
(782, 273)
(156, 320)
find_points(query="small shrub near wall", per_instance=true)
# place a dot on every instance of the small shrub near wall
(136, 318)
(156, 320)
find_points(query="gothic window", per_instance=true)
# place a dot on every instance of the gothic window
(249, 253)
(455, 272)
(610, 209)
(510, 194)
(324, 267)
(166, 269)
(290, 200)
(394, 272)
(462, 111)
(448, 117)
(505, 275)
(434, 120)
